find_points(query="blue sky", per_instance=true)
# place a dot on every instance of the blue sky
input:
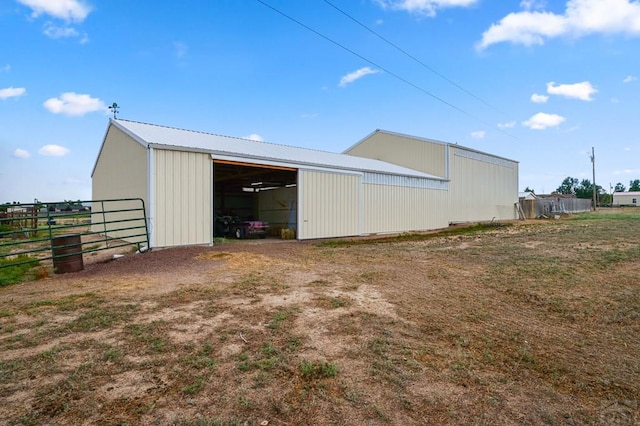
(540, 82)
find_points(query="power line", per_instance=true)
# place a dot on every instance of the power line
(365, 59)
(398, 48)
(398, 77)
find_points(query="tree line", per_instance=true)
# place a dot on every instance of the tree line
(584, 189)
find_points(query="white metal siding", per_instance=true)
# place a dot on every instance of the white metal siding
(626, 198)
(389, 209)
(120, 172)
(404, 181)
(416, 154)
(182, 197)
(278, 207)
(482, 187)
(329, 204)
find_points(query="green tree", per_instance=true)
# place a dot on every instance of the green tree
(585, 190)
(619, 188)
(568, 186)
(634, 185)
(527, 189)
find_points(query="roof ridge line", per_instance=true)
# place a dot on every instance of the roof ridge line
(224, 136)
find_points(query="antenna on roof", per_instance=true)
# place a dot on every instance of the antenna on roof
(115, 109)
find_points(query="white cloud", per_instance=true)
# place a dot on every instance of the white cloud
(180, 49)
(526, 28)
(67, 10)
(12, 92)
(254, 137)
(479, 134)
(539, 99)
(626, 171)
(629, 79)
(5, 68)
(532, 4)
(21, 153)
(74, 104)
(508, 125)
(424, 7)
(353, 76)
(582, 91)
(542, 120)
(53, 151)
(581, 18)
(55, 32)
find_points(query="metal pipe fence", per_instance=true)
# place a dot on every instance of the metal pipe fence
(28, 231)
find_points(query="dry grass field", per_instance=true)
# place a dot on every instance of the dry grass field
(530, 323)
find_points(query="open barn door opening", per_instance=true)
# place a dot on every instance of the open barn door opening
(253, 200)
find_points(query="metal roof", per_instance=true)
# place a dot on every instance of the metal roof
(623, 193)
(155, 136)
(418, 138)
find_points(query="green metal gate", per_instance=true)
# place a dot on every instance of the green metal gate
(27, 231)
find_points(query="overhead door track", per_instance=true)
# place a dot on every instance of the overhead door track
(261, 166)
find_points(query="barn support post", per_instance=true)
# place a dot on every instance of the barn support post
(151, 190)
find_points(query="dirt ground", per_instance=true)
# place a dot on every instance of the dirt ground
(534, 323)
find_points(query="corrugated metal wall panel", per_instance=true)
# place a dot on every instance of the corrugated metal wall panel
(278, 207)
(120, 172)
(626, 198)
(329, 204)
(416, 154)
(482, 187)
(389, 209)
(403, 181)
(183, 191)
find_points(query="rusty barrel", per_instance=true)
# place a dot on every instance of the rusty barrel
(67, 253)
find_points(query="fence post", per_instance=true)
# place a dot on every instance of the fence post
(146, 225)
(104, 223)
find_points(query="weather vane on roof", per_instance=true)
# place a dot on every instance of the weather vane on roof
(115, 109)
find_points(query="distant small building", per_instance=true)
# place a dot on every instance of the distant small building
(20, 210)
(527, 196)
(626, 198)
(17, 210)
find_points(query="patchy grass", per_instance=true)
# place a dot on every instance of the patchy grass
(318, 370)
(417, 236)
(18, 273)
(522, 324)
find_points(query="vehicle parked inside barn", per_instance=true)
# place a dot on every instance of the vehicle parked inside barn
(235, 227)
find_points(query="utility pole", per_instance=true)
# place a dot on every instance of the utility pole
(611, 192)
(593, 165)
